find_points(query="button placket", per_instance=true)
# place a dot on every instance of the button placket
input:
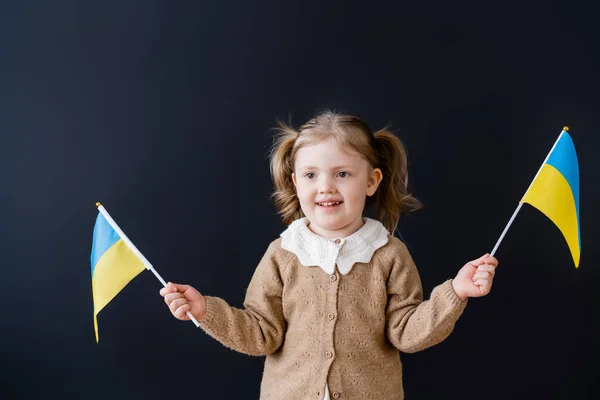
(335, 247)
(331, 311)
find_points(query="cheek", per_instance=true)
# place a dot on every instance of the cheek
(304, 193)
(357, 192)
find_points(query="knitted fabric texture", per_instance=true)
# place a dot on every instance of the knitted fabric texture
(343, 330)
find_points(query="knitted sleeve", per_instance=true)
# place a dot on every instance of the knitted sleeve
(413, 324)
(259, 328)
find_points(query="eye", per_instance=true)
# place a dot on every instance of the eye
(309, 175)
(343, 174)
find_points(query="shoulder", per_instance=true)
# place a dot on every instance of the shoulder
(398, 262)
(277, 255)
(395, 253)
(394, 248)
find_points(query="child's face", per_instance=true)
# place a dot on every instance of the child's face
(332, 184)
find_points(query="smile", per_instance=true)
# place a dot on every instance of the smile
(330, 204)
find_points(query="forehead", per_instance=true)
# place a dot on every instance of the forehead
(326, 153)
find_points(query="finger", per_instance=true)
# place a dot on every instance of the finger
(181, 311)
(484, 290)
(482, 275)
(483, 284)
(484, 271)
(170, 288)
(175, 304)
(172, 296)
(167, 289)
(486, 268)
(491, 260)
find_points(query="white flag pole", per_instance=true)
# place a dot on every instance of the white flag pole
(565, 129)
(136, 251)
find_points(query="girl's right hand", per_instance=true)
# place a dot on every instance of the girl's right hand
(183, 298)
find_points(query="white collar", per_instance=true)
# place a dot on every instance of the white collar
(317, 251)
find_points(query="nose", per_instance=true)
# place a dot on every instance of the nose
(326, 186)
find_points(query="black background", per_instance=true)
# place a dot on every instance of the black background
(162, 111)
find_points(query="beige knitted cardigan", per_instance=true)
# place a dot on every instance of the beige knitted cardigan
(343, 330)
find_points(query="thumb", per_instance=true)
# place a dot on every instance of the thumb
(179, 287)
(479, 261)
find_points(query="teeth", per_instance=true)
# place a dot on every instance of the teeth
(329, 204)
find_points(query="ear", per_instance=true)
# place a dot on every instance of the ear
(374, 180)
(294, 179)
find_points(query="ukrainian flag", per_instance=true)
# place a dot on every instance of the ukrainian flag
(555, 191)
(114, 264)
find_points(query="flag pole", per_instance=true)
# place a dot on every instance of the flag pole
(565, 129)
(136, 251)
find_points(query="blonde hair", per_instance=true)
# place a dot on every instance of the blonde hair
(381, 149)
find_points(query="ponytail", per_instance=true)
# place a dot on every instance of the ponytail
(281, 158)
(392, 198)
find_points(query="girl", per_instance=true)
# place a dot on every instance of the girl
(337, 296)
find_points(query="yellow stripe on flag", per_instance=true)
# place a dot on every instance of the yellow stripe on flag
(114, 270)
(551, 194)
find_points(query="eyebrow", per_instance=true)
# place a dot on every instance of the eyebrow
(309, 167)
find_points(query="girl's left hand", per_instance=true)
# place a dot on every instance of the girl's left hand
(475, 278)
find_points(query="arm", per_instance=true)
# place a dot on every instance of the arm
(414, 324)
(259, 328)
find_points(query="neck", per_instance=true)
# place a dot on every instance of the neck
(341, 233)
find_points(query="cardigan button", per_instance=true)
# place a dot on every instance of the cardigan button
(336, 395)
(331, 316)
(332, 278)
(328, 354)
(337, 241)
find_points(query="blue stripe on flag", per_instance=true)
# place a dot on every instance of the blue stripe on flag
(104, 237)
(564, 159)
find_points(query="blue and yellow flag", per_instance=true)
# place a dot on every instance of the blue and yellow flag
(114, 265)
(555, 191)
